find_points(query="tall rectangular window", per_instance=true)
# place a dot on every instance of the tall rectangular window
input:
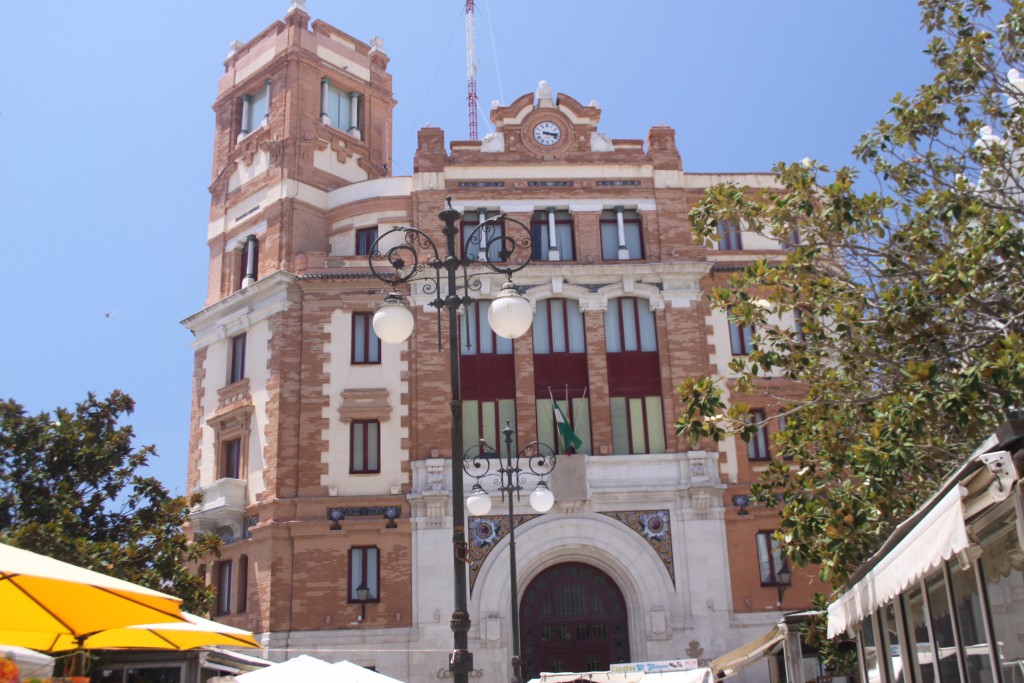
(222, 587)
(364, 573)
(577, 413)
(486, 243)
(237, 361)
(629, 326)
(476, 335)
(741, 338)
(943, 632)
(488, 378)
(365, 237)
(249, 264)
(242, 601)
(637, 425)
(970, 618)
(485, 419)
(231, 459)
(634, 377)
(1002, 566)
(560, 371)
(552, 236)
(365, 343)
(757, 447)
(770, 558)
(255, 108)
(338, 108)
(558, 327)
(794, 239)
(365, 447)
(621, 238)
(729, 238)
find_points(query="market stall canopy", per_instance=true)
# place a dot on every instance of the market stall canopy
(302, 668)
(925, 543)
(588, 676)
(701, 675)
(734, 661)
(31, 664)
(312, 670)
(45, 600)
(192, 633)
(353, 673)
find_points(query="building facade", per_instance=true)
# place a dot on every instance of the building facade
(325, 456)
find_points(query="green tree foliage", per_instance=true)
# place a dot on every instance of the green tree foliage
(898, 302)
(71, 488)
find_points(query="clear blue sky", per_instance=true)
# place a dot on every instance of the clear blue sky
(107, 133)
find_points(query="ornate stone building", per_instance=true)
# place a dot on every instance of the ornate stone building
(325, 456)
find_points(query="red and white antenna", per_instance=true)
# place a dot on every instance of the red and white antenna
(471, 67)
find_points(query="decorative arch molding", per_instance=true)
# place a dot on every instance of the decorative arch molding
(559, 290)
(597, 540)
(638, 290)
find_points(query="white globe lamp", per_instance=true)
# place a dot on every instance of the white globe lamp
(542, 499)
(510, 314)
(393, 321)
(479, 502)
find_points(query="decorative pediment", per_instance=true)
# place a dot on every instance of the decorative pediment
(365, 404)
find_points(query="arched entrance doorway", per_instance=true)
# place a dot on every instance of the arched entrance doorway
(572, 618)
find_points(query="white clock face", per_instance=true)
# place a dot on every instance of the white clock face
(547, 133)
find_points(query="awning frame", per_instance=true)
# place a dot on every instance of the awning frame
(925, 543)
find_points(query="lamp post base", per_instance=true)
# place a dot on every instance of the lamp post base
(460, 663)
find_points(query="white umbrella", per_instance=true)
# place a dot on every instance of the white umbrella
(353, 673)
(302, 668)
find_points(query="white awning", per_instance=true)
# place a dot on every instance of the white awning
(701, 675)
(935, 538)
(734, 661)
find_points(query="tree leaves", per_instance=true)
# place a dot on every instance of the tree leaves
(908, 297)
(71, 487)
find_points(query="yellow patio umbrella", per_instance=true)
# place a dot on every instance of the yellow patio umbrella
(192, 633)
(46, 602)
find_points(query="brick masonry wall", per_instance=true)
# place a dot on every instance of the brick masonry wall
(197, 419)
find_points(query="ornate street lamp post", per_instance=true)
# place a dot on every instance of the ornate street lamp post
(534, 459)
(406, 256)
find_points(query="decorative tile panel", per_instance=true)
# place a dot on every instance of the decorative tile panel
(484, 534)
(655, 528)
(388, 512)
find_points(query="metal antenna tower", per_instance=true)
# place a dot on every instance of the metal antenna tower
(471, 67)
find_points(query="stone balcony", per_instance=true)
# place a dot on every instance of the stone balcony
(222, 511)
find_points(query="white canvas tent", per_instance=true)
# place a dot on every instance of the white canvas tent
(31, 664)
(312, 670)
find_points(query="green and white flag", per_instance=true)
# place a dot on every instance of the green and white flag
(570, 441)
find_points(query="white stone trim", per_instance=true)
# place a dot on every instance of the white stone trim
(237, 243)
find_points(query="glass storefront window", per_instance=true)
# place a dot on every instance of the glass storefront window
(971, 625)
(139, 674)
(922, 654)
(1002, 564)
(891, 643)
(942, 628)
(869, 652)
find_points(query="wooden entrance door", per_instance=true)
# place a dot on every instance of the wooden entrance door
(572, 618)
